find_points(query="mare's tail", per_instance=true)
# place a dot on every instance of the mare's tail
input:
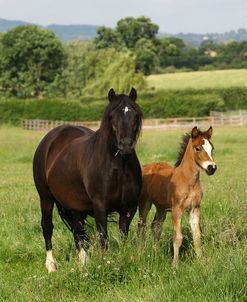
(66, 215)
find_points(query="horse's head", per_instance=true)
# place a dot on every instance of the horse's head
(124, 119)
(202, 148)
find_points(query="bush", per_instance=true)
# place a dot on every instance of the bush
(160, 104)
(234, 98)
(12, 111)
(188, 103)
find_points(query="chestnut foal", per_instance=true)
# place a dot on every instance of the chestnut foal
(178, 189)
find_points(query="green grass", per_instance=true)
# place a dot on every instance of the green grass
(136, 269)
(199, 79)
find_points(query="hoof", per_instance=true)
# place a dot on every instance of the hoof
(51, 266)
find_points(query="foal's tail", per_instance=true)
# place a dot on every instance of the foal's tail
(66, 215)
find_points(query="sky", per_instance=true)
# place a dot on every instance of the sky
(172, 16)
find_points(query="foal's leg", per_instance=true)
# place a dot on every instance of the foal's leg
(157, 223)
(178, 237)
(80, 235)
(47, 227)
(144, 208)
(195, 229)
(125, 220)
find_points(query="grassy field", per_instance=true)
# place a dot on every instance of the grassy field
(199, 79)
(133, 270)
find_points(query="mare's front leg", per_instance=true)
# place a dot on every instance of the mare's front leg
(80, 235)
(125, 220)
(177, 237)
(100, 216)
(195, 229)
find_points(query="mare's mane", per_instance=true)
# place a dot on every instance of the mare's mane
(183, 145)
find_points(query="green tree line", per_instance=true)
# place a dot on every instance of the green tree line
(35, 63)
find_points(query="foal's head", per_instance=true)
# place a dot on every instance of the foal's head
(122, 120)
(202, 149)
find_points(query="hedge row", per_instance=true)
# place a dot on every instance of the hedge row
(160, 104)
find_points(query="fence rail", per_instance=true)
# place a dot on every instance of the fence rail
(229, 118)
(216, 119)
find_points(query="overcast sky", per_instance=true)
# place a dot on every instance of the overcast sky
(172, 16)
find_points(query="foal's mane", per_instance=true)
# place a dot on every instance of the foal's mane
(183, 145)
(121, 101)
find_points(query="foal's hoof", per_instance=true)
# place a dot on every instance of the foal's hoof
(51, 266)
(175, 264)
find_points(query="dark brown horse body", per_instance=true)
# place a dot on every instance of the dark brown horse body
(86, 172)
(178, 189)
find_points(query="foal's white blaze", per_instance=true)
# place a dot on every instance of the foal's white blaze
(126, 109)
(50, 262)
(208, 148)
(83, 258)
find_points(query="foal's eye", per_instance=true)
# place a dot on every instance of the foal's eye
(198, 149)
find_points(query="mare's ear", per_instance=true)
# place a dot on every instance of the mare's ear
(209, 132)
(133, 94)
(194, 132)
(111, 95)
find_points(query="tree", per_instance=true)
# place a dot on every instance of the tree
(107, 38)
(32, 58)
(146, 57)
(113, 69)
(137, 35)
(131, 30)
(165, 49)
(78, 69)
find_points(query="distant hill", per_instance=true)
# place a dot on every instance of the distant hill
(72, 32)
(5, 25)
(64, 32)
(197, 39)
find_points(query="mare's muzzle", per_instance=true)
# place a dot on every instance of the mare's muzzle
(211, 169)
(126, 145)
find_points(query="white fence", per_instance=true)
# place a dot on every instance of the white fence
(216, 119)
(229, 118)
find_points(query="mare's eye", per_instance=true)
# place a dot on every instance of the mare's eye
(198, 149)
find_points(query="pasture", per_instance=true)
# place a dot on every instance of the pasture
(134, 269)
(199, 79)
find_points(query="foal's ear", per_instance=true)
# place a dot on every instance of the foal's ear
(209, 132)
(133, 94)
(111, 95)
(194, 132)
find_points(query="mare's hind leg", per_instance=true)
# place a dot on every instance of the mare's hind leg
(157, 223)
(80, 235)
(144, 208)
(195, 229)
(47, 227)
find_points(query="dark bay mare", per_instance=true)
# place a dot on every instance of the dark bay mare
(90, 173)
